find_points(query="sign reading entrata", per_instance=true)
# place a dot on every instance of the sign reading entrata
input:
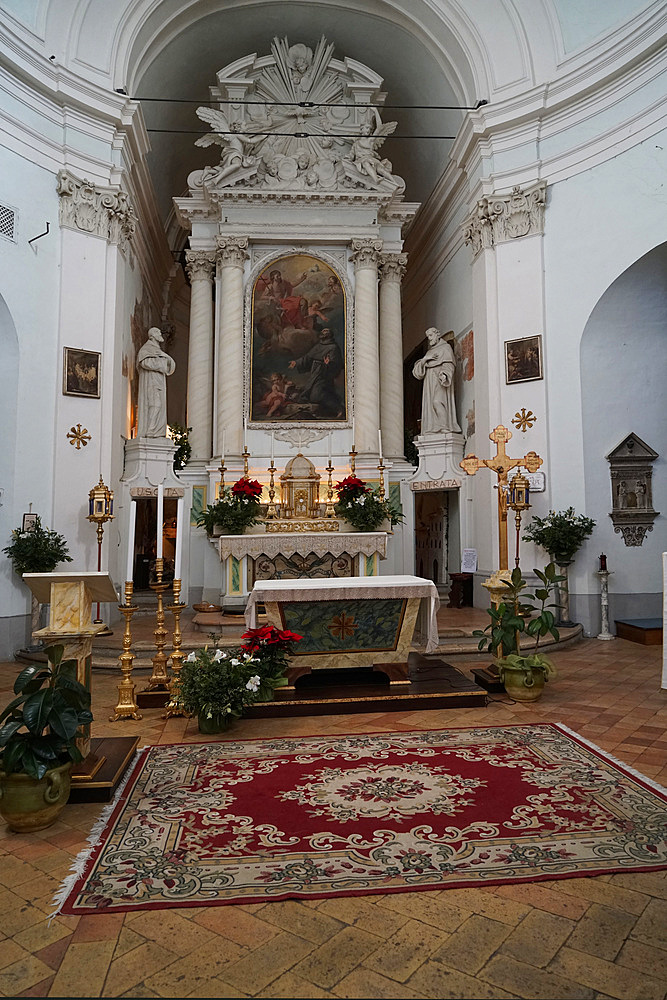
(436, 484)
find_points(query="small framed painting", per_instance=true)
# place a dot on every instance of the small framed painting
(29, 522)
(81, 373)
(523, 359)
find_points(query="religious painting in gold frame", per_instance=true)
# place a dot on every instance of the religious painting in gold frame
(298, 343)
(523, 359)
(81, 373)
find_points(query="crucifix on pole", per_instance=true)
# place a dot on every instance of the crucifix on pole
(501, 464)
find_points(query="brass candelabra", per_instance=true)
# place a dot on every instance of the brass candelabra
(159, 680)
(329, 511)
(353, 460)
(175, 706)
(222, 468)
(271, 510)
(381, 468)
(127, 707)
(246, 456)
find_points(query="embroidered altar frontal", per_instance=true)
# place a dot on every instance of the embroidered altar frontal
(257, 820)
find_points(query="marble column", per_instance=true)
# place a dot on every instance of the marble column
(200, 266)
(231, 254)
(392, 269)
(365, 255)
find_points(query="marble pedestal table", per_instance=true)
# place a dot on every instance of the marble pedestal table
(351, 622)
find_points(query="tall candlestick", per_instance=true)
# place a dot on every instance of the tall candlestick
(180, 513)
(160, 519)
(129, 572)
(380, 443)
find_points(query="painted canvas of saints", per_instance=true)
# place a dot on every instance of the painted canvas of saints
(298, 342)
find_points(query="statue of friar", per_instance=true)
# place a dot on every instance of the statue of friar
(436, 369)
(153, 366)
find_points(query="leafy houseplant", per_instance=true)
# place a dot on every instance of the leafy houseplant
(561, 533)
(179, 435)
(237, 509)
(363, 507)
(38, 741)
(524, 676)
(38, 550)
(217, 686)
(270, 648)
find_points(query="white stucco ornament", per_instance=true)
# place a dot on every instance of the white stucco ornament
(297, 120)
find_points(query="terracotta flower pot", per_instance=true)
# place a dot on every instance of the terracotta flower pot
(29, 804)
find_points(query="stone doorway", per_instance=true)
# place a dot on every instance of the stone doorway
(431, 536)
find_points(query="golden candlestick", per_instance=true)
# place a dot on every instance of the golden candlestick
(271, 510)
(127, 707)
(353, 460)
(159, 679)
(329, 511)
(175, 705)
(222, 468)
(381, 468)
(246, 456)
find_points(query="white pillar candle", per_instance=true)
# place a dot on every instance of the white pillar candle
(272, 445)
(380, 443)
(129, 572)
(245, 433)
(180, 513)
(160, 519)
(222, 453)
(329, 447)
(353, 432)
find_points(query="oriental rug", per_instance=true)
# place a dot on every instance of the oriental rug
(309, 817)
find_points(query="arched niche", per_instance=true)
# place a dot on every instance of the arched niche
(623, 378)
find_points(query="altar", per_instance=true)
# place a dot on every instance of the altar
(351, 622)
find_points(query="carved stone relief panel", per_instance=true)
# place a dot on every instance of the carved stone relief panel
(631, 475)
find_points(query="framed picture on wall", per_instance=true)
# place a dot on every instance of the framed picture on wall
(81, 373)
(523, 359)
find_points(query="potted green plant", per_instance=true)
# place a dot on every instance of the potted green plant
(364, 508)
(38, 741)
(270, 648)
(217, 686)
(523, 675)
(237, 509)
(561, 533)
(37, 550)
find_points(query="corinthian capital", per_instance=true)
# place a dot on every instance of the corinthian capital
(100, 211)
(393, 266)
(200, 264)
(230, 251)
(366, 252)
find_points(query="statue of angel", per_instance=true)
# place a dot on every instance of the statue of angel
(363, 153)
(235, 143)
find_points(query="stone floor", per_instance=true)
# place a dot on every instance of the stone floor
(591, 937)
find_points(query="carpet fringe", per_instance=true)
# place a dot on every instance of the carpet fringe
(80, 862)
(614, 760)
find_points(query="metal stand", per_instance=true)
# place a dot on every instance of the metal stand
(271, 511)
(353, 460)
(329, 511)
(246, 456)
(127, 707)
(381, 468)
(159, 679)
(175, 705)
(604, 575)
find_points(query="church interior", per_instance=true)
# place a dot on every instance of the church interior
(336, 315)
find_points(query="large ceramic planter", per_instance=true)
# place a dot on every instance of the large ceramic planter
(218, 723)
(29, 804)
(522, 686)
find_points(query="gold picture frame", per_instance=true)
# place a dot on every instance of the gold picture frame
(81, 372)
(523, 359)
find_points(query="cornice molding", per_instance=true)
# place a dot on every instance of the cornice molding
(506, 217)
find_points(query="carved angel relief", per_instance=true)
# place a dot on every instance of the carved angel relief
(297, 125)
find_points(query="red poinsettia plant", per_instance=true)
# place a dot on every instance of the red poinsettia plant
(237, 509)
(364, 508)
(270, 648)
(247, 488)
(351, 485)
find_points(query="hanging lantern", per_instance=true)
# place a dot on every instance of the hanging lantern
(100, 506)
(519, 493)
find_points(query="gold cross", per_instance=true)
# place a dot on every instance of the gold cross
(501, 464)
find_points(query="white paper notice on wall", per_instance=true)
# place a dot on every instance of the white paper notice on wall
(469, 561)
(536, 480)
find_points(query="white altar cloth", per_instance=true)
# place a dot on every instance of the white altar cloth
(350, 588)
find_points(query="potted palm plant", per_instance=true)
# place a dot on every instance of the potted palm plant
(561, 534)
(523, 674)
(38, 742)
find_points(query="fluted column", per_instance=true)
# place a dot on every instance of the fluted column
(365, 254)
(200, 266)
(231, 254)
(392, 269)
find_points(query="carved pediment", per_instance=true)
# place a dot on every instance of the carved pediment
(632, 449)
(297, 120)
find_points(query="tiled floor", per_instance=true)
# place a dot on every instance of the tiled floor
(585, 937)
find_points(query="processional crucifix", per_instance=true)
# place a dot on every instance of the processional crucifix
(501, 464)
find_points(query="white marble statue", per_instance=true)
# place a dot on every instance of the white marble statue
(436, 369)
(153, 366)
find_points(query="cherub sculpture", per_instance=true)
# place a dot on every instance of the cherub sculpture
(235, 144)
(364, 151)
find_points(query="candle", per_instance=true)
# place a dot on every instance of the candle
(329, 447)
(129, 572)
(180, 510)
(352, 432)
(273, 438)
(160, 519)
(222, 453)
(380, 443)
(603, 562)
(245, 434)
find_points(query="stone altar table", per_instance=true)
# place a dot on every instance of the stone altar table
(350, 622)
